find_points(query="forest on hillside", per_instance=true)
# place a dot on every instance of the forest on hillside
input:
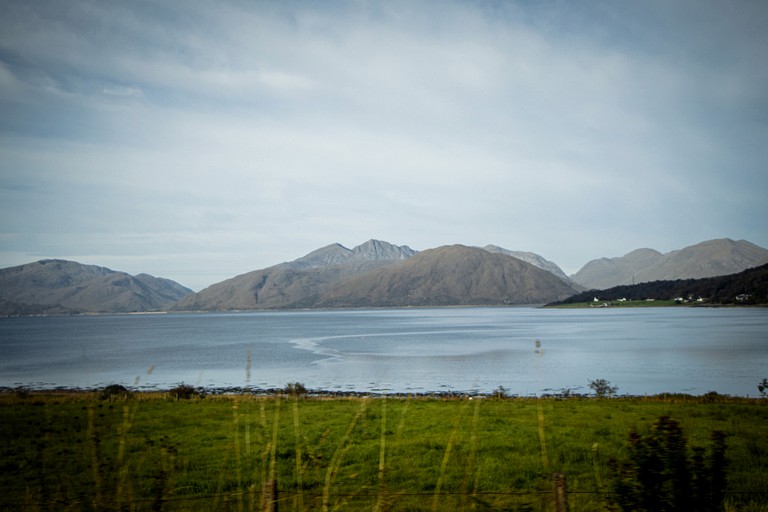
(748, 288)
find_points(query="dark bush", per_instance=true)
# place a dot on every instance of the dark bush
(115, 392)
(184, 392)
(295, 389)
(659, 475)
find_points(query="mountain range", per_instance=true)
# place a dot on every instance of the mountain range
(378, 273)
(373, 274)
(706, 259)
(61, 286)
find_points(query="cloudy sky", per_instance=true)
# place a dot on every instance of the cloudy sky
(197, 140)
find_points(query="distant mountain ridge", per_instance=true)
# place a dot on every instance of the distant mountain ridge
(706, 259)
(375, 273)
(379, 274)
(298, 283)
(61, 286)
(453, 275)
(746, 287)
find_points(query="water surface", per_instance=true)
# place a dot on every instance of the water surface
(642, 351)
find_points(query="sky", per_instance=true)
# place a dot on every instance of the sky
(199, 140)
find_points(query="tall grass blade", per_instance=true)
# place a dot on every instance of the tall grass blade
(238, 458)
(333, 467)
(444, 465)
(471, 469)
(542, 438)
(382, 454)
(272, 478)
(94, 439)
(120, 465)
(298, 503)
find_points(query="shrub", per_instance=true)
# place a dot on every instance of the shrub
(184, 392)
(114, 392)
(500, 392)
(660, 476)
(295, 389)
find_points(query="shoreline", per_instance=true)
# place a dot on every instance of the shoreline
(236, 391)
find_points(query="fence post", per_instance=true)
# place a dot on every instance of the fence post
(269, 495)
(560, 492)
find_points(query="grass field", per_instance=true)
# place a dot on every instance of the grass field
(73, 451)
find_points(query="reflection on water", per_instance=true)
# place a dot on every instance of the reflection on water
(642, 351)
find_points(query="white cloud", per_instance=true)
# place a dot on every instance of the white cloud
(123, 90)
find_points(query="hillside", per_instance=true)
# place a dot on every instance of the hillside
(450, 276)
(532, 258)
(706, 259)
(747, 287)
(60, 287)
(379, 274)
(297, 283)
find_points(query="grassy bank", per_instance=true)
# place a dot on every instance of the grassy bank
(623, 304)
(76, 452)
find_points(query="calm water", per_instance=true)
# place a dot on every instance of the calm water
(643, 351)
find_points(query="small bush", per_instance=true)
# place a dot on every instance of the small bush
(184, 392)
(114, 392)
(295, 389)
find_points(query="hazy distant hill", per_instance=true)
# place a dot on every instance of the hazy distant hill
(706, 259)
(747, 287)
(532, 258)
(297, 283)
(450, 276)
(60, 286)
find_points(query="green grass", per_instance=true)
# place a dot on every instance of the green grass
(76, 452)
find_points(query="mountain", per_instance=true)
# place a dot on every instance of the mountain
(297, 283)
(607, 272)
(532, 258)
(61, 286)
(337, 254)
(706, 259)
(379, 274)
(747, 287)
(453, 275)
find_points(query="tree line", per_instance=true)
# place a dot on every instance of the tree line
(747, 287)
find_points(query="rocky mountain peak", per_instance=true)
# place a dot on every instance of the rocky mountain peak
(379, 250)
(337, 254)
